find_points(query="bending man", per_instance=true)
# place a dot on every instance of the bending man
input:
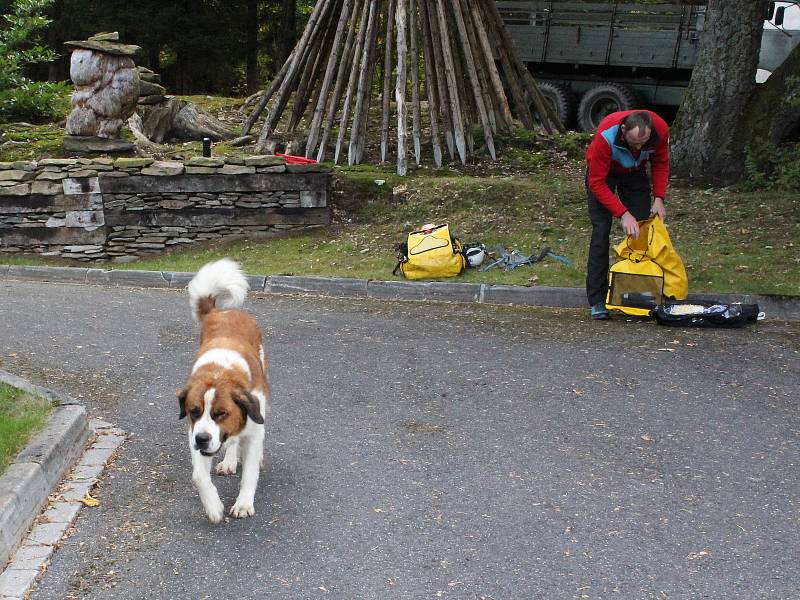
(618, 186)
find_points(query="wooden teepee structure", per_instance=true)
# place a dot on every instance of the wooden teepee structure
(453, 47)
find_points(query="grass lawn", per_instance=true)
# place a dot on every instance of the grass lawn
(730, 241)
(21, 415)
(532, 197)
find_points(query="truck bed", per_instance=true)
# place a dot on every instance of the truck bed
(625, 35)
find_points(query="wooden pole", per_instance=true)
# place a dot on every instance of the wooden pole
(547, 115)
(431, 84)
(319, 109)
(477, 61)
(387, 76)
(285, 88)
(468, 109)
(452, 84)
(441, 78)
(344, 69)
(474, 81)
(360, 115)
(415, 112)
(362, 32)
(491, 68)
(265, 97)
(400, 88)
(517, 95)
(310, 78)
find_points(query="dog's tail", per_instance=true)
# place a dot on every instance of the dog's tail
(219, 284)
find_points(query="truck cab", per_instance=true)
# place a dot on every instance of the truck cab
(593, 58)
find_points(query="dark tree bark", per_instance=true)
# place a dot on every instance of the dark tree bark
(706, 130)
(56, 69)
(288, 27)
(251, 53)
(773, 113)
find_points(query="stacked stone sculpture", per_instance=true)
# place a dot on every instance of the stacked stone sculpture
(107, 89)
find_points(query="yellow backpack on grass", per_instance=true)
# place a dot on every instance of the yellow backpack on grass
(648, 272)
(430, 253)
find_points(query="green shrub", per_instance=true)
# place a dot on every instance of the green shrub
(773, 168)
(20, 97)
(574, 143)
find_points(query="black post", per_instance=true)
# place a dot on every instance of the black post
(207, 147)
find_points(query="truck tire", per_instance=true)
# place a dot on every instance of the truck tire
(561, 99)
(602, 100)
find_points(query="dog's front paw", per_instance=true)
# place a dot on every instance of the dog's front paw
(215, 511)
(224, 468)
(243, 509)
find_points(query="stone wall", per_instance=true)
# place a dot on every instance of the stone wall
(119, 209)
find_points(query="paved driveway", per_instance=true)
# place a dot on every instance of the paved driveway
(427, 451)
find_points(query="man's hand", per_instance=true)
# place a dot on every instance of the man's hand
(630, 225)
(658, 209)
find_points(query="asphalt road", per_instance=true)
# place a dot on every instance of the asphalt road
(433, 451)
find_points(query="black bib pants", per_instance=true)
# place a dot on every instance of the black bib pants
(634, 190)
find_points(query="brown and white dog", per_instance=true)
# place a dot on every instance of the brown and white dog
(225, 397)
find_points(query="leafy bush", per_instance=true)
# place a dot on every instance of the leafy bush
(774, 168)
(574, 143)
(20, 97)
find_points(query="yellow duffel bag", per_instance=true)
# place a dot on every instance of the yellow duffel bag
(431, 253)
(648, 272)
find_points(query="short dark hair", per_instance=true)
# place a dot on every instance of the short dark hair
(642, 119)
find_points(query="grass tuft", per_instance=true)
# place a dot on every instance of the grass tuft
(21, 415)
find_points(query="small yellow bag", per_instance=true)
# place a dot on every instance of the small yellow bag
(432, 253)
(648, 271)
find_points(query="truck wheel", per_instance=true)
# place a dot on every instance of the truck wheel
(602, 100)
(560, 98)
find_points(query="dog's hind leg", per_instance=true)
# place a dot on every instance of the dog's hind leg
(252, 453)
(201, 475)
(229, 463)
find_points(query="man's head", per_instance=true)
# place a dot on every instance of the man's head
(637, 129)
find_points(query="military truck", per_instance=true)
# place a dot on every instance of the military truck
(593, 58)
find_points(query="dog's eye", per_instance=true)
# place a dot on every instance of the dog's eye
(219, 415)
(196, 413)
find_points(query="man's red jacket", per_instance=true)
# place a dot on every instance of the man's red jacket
(608, 153)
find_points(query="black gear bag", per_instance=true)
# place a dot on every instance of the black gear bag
(706, 314)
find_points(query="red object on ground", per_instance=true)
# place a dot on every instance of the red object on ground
(296, 160)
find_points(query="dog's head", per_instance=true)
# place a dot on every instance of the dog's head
(217, 408)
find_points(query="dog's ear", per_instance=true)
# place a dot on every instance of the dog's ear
(249, 405)
(182, 401)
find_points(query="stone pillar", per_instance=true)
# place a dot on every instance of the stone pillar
(106, 91)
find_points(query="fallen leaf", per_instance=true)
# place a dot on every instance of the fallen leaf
(88, 500)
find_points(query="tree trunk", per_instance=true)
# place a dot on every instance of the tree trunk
(56, 68)
(252, 47)
(288, 28)
(773, 112)
(400, 87)
(707, 127)
(387, 76)
(181, 120)
(330, 69)
(193, 123)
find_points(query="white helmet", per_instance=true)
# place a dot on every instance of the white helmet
(475, 253)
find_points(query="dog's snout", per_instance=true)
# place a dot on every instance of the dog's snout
(202, 439)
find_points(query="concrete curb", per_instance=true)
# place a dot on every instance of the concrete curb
(29, 480)
(786, 308)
